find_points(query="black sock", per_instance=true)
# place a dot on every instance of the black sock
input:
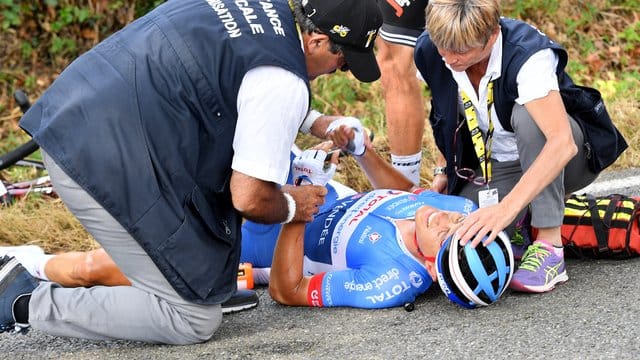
(21, 309)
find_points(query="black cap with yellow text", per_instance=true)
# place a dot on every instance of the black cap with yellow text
(354, 25)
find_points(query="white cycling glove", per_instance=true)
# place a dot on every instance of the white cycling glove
(309, 168)
(356, 145)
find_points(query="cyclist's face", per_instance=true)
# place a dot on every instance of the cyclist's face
(434, 226)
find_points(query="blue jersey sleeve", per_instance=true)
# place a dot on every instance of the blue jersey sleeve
(447, 202)
(381, 285)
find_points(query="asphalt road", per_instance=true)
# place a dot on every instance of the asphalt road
(594, 315)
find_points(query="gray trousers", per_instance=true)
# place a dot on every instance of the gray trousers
(547, 209)
(149, 310)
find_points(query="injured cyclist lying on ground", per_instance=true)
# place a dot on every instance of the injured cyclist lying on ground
(377, 249)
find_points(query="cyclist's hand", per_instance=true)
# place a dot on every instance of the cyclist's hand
(439, 184)
(348, 134)
(309, 168)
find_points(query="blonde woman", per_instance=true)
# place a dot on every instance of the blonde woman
(508, 121)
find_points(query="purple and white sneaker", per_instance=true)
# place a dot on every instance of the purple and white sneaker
(540, 269)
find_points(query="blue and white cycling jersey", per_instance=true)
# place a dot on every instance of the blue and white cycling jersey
(354, 251)
(259, 240)
(356, 254)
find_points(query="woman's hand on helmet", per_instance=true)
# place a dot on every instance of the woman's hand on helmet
(484, 223)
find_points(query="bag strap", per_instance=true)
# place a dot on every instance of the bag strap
(616, 203)
(570, 244)
(599, 228)
(635, 217)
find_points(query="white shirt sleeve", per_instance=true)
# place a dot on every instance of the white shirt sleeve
(537, 76)
(272, 102)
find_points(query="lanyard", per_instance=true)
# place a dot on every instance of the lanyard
(482, 148)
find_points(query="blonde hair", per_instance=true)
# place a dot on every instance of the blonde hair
(460, 25)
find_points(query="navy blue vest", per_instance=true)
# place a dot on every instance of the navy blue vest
(145, 121)
(519, 42)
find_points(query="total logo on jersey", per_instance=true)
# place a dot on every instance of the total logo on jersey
(368, 203)
(415, 279)
(387, 295)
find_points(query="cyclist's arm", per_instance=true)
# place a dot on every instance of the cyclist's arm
(381, 173)
(287, 284)
(380, 284)
(375, 285)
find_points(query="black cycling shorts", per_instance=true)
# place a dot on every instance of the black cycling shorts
(402, 20)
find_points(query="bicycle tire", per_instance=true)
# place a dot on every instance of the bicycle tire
(21, 152)
(18, 154)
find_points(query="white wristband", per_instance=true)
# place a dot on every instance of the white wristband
(308, 121)
(291, 205)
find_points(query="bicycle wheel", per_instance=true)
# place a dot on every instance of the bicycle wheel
(26, 149)
(18, 154)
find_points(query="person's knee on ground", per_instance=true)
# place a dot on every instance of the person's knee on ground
(204, 324)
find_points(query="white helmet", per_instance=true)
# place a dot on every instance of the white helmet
(472, 277)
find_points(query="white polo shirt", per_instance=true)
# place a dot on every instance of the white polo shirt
(272, 102)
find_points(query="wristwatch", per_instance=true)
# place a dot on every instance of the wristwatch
(439, 170)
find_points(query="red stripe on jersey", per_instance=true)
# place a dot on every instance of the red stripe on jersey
(314, 294)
